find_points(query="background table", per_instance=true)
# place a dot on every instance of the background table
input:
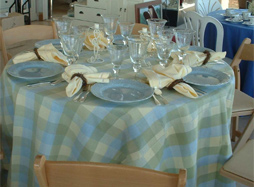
(186, 133)
(234, 34)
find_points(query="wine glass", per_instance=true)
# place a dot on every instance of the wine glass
(166, 34)
(183, 37)
(110, 26)
(126, 30)
(164, 49)
(155, 25)
(117, 53)
(70, 46)
(137, 50)
(62, 24)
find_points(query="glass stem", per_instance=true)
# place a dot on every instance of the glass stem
(116, 71)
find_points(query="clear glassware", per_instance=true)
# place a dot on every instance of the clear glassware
(126, 30)
(166, 34)
(164, 49)
(110, 26)
(70, 46)
(183, 37)
(62, 24)
(117, 54)
(137, 50)
(155, 25)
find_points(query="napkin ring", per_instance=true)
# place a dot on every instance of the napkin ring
(37, 54)
(208, 56)
(80, 75)
(175, 82)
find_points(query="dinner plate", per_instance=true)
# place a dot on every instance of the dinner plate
(203, 76)
(199, 49)
(248, 23)
(122, 91)
(35, 70)
(55, 42)
(230, 20)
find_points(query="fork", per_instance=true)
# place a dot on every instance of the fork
(158, 92)
(199, 91)
(83, 98)
(157, 102)
(78, 97)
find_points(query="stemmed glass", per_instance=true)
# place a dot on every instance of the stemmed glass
(62, 24)
(155, 25)
(110, 26)
(184, 37)
(137, 50)
(164, 49)
(70, 44)
(165, 34)
(117, 53)
(126, 30)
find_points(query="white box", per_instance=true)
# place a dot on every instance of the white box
(13, 20)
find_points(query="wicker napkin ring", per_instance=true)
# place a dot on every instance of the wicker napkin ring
(208, 56)
(175, 82)
(37, 54)
(80, 75)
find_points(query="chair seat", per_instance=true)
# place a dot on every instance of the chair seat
(242, 162)
(242, 102)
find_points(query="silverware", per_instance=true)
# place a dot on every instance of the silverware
(78, 97)
(158, 92)
(157, 102)
(83, 98)
(53, 83)
(199, 91)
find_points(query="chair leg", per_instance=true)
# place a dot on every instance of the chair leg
(234, 127)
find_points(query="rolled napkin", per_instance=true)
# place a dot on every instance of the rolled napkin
(196, 58)
(90, 41)
(162, 77)
(46, 52)
(90, 74)
(51, 54)
(27, 56)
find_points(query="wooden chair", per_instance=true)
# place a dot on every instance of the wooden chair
(75, 174)
(197, 22)
(204, 7)
(243, 104)
(240, 167)
(13, 36)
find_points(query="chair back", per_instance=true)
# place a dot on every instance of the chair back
(204, 7)
(23, 33)
(197, 22)
(245, 52)
(65, 174)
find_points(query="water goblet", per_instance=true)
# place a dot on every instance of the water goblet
(70, 46)
(155, 25)
(184, 37)
(166, 34)
(62, 24)
(137, 50)
(110, 26)
(126, 30)
(164, 49)
(117, 54)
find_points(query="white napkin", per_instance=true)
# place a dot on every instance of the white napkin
(46, 52)
(162, 77)
(27, 56)
(89, 41)
(195, 58)
(90, 73)
(51, 54)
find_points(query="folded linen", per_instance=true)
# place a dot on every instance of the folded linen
(162, 77)
(90, 41)
(46, 52)
(90, 74)
(196, 58)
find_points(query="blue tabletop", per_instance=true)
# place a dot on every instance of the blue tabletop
(234, 34)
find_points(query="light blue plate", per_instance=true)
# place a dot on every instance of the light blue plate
(55, 42)
(35, 70)
(199, 49)
(203, 76)
(122, 91)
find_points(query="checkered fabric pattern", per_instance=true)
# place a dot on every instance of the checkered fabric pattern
(187, 133)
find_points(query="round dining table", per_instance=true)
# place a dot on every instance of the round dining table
(186, 133)
(234, 34)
